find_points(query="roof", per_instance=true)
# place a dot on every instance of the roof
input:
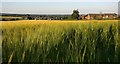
(103, 14)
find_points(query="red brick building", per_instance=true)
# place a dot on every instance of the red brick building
(99, 16)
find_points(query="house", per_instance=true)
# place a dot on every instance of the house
(82, 17)
(100, 16)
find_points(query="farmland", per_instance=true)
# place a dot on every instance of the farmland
(60, 41)
(9, 18)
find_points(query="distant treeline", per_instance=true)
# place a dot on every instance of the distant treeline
(33, 17)
(74, 16)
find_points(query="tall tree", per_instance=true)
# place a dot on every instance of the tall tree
(75, 14)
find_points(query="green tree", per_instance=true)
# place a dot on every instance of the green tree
(75, 15)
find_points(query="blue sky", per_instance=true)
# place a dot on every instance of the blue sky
(60, 0)
(59, 7)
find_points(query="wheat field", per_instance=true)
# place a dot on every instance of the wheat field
(60, 41)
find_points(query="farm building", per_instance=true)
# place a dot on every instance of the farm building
(99, 16)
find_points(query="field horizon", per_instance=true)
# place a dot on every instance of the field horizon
(64, 31)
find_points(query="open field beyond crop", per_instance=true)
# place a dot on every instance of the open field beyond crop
(60, 41)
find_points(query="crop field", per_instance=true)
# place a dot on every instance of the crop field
(60, 41)
(9, 18)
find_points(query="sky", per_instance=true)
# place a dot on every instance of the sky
(60, 0)
(62, 7)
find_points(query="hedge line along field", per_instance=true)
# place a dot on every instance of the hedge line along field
(60, 41)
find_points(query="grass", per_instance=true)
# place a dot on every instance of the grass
(9, 18)
(60, 41)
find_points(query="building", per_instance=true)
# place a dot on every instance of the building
(99, 16)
